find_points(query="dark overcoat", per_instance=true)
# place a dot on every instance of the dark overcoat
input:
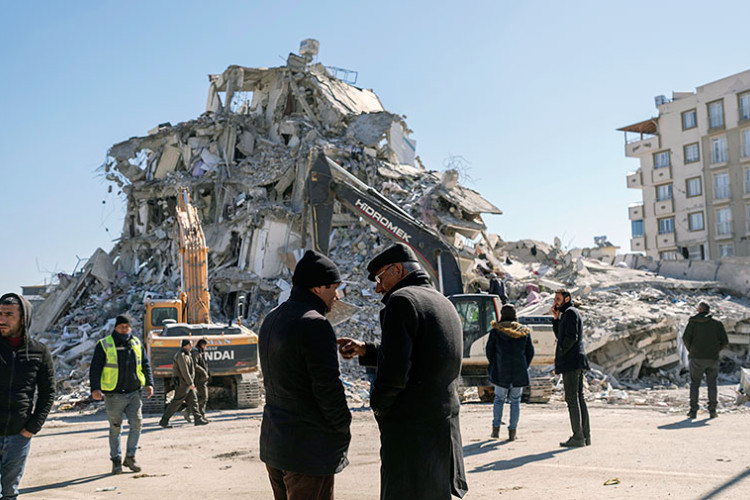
(305, 427)
(414, 393)
(569, 352)
(509, 351)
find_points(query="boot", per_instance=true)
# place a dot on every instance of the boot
(511, 434)
(573, 443)
(129, 462)
(712, 414)
(495, 432)
(201, 421)
(186, 414)
(116, 465)
(692, 414)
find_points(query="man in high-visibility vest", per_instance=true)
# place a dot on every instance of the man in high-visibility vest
(119, 369)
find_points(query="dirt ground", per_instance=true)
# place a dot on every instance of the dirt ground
(649, 452)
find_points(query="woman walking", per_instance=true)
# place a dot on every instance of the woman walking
(509, 351)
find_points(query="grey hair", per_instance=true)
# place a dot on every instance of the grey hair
(704, 307)
(411, 266)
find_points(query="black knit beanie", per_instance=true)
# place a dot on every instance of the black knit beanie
(315, 269)
(123, 318)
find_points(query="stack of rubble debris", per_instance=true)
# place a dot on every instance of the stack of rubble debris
(245, 162)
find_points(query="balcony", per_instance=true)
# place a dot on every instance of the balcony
(635, 211)
(664, 207)
(636, 149)
(665, 240)
(638, 244)
(659, 175)
(635, 179)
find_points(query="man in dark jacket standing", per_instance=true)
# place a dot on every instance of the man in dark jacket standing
(25, 368)
(704, 338)
(509, 351)
(571, 362)
(304, 435)
(414, 393)
(183, 373)
(119, 368)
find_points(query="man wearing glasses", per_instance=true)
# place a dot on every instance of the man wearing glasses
(414, 393)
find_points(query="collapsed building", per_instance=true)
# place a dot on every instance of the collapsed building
(245, 162)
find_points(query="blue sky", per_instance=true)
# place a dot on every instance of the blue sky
(529, 93)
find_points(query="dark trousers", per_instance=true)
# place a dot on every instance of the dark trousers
(699, 367)
(182, 393)
(201, 389)
(294, 486)
(577, 409)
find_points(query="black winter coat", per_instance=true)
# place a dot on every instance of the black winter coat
(24, 371)
(510, 351)
(414, 393)
(704, 337)
(127, 377)
(569, 352)
(305, 426)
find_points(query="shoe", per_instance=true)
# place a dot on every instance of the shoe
(164, 424)
(186, 414)
(692, 414)
(129, 462)
(495, 432)
(201, 422)
(511, 434)
(587, 441)
(573, 443)
(713, 414)
(116, 465)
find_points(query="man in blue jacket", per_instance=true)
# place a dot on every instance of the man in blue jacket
(571, 362)
(25, 368)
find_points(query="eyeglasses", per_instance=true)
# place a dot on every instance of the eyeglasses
(381, 273)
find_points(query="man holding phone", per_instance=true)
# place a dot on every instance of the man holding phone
(571, 362)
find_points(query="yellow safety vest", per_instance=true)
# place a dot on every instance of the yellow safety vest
(111, 368)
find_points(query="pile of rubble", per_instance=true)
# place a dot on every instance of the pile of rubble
(245, 161)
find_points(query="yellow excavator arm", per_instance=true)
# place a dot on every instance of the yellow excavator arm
(193, 261)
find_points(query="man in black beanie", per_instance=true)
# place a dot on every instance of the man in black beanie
(304, 436)
(119, 368)
(414, 394)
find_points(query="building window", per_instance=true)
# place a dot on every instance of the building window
(747, 218)
(695, 221)
(696, 252)
(747, 181)
(689, 120)
(661, 160)
(716, 114)
(668, 255)
(724, 221)
(745, 143)
(636, 227)
(744, 99)
(691, 153)
(666, 226)
(664, 192)
(726, 250)
(693, 187)
(719, 150)
(721, 185)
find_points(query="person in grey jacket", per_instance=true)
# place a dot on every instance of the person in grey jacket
(704, 338)
(509, 351)
(183, 372)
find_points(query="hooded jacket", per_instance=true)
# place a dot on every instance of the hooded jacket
(23, 372)
(509, 351)
(705, 337)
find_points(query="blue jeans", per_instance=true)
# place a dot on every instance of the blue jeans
(130, 405)
(13, 452)
(515, 405)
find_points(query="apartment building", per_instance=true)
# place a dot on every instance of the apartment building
(694, 173)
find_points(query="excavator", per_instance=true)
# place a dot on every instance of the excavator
(327, 181)
(232, 349)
